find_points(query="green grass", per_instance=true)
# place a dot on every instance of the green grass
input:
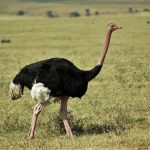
(115, 111)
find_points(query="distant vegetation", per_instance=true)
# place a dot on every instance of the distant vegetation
(134, 10)
(87, 13)
(5, 41)
(64, 8)
(97, 13)
(20, 13)
(74, 14)
(50, 14)
(146, 9)
(84, 1)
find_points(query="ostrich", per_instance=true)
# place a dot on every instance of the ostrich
(58, 78)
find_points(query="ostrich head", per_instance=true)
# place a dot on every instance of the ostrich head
(112, 27)
(15, 90)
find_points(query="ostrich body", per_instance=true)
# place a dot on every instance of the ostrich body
(56, 77)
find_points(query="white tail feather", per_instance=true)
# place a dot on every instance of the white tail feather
(40, 93)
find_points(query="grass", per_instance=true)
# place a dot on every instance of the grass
(115, 111)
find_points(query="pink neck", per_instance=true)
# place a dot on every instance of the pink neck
(105, 48)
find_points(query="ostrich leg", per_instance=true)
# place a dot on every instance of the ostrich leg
(63, 114)
(36, 111)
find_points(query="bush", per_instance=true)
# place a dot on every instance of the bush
(130, 10)
(148, 22)
(136, 11)
(97, 13)
(50, 14)
(87, 11)
(20, 13)
(146, 9)
(74, 14)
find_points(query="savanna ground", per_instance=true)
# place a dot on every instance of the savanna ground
(115, 111)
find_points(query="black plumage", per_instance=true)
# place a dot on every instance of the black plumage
(60, 75)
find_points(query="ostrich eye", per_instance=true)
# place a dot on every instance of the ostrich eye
(112, 26)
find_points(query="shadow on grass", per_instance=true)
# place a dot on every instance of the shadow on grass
(80, 127)
(96, 129)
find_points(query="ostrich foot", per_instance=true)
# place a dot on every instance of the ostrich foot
(67, 127)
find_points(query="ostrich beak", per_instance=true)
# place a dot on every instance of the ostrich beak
(119, 27)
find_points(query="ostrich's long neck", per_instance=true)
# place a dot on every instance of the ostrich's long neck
(94, 72)
(105, 48)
